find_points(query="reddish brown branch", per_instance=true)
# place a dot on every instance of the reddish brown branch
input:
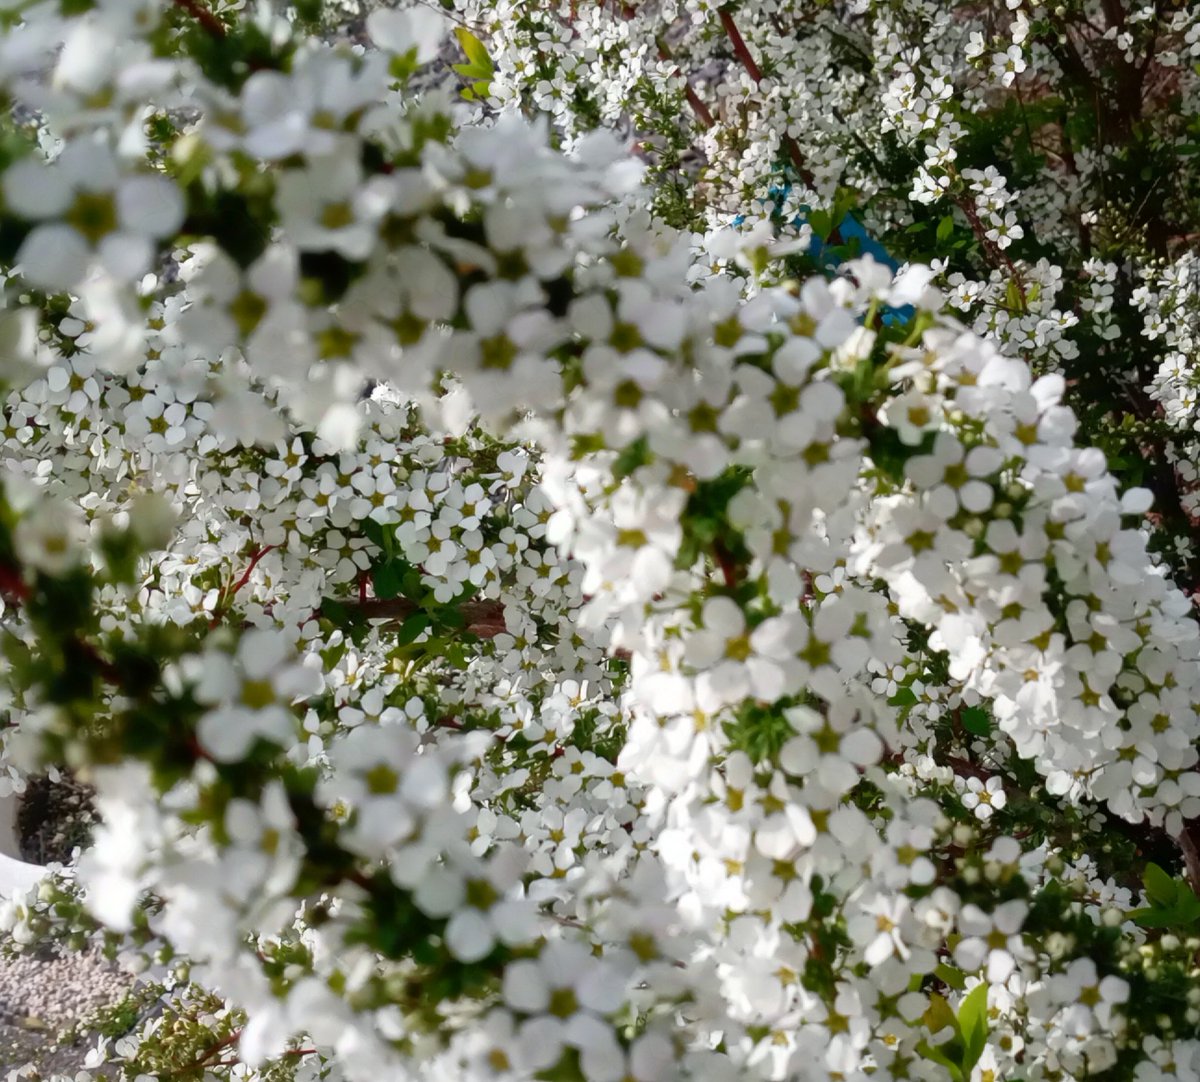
(996, 255)
(727, 564)
(250, 569)
(203, 16)
(204, 1057)
(698, 107)
(1191, 853)
(12, 585)
(107, 670)
(693, 99)
(206, 1061)
(290, 1053)
(742, 52)
(227, 598)
(482, 618)
(965, 767)
(739, 45)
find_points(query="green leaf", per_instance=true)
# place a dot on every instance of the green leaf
(1160, 887)
(403, 67)
(388, 579)
(1180, 910)
(1188, 906)
(189, 156)
(474, 49)
(1012, 297)
(335, 611)
(973, 1023)
(950, 976)
(972, 1012)
(633, 456)
(334, 654)
(471, 71)
(411, 629)
(1152, 917)
(844, 201)
(975, 721)
(380, 535)
(936, 1055)
(945, 228)
(449, 618)
(120, 551)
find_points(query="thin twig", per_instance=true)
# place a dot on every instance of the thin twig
(12, 584)
(1191, 854)
(203, 16)
(742, 52)
(484, 619)
(693, 99)
(739, 45)
(227, 598)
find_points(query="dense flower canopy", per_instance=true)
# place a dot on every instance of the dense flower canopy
(661, 550)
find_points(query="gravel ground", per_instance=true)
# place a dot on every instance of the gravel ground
(81, 984)
(44, 993)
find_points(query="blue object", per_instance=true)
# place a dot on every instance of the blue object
(849, 229)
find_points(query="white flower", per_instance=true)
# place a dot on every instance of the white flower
(86, 208)
(562, 982)
(51, 537)
(994, 939)
(417, 29)
(152, 519)
(328, 206)
(878, 930)
(267, 851)
(483, 902)
(912, 414)
(1089, 1000)
(984, 798)
(250, 694)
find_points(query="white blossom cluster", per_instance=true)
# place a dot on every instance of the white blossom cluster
(1054, 139)
(513, 637)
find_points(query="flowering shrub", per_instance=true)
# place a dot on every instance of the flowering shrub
(524, 618)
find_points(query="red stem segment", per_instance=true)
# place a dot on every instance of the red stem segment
(742, 52)
(698, 107)
(203, 16)
(227, 599)
(12, 584)
(693, 99)
(484, 619)
(727, 564)
(739, 45)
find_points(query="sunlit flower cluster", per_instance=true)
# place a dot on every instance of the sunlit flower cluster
(519, 626)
